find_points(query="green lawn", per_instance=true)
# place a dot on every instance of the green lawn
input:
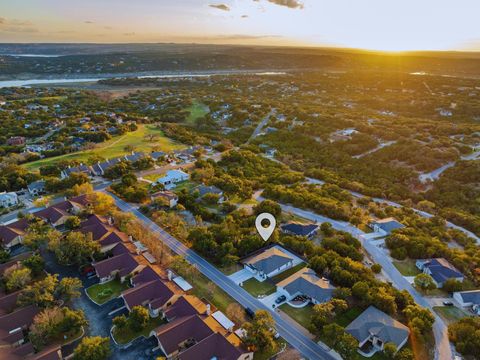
(101, 293)
(196, 110)
(256, 288)
(407, 267)
(348, 316)
(127, 334)
(303, 316)
(449, 313)
(115, 147)
(282, 276)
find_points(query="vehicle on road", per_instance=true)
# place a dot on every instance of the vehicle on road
(448, 303)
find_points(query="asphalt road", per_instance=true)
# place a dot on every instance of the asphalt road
(287, 330)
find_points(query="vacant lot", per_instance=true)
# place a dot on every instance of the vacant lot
(257, 288)
(197, 110)
(140, 140)
(407, 267)
(450, 313)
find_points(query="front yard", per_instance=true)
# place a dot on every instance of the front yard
(257, 288)
(127, 334)
(450, 313)
(407, 267)
(102, 293)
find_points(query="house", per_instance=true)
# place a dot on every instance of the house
(134, 156)
(172, 178)
(122, 263)
(8, 199)
(198, 337)
(440, 270)
(16, 141)
(155, 155)
(12, 234)
(386, 226)
(54, 215)
(306, 283)
(215, 346)
(103, 232)
(373, 329)
(99, 168)
(169, 197)
(270, 262)
(150, 291)
(185, 305)
(470, 299)
(292, 228)
(36, 188)
(13, 325)
(84, 169)
(204, 190)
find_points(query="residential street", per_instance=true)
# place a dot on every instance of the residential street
(285, 328)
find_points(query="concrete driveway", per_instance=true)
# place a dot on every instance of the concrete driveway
(270, 300)
(240, 276)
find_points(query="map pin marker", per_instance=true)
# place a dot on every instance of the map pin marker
(265, 232)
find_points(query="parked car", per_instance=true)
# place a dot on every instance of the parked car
(87, 270)
(448, 303)
(280, 299)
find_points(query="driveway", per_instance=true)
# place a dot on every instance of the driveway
(241, 276)
(269, 300)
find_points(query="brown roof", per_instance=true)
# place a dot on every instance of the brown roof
(191, 328)
(20, 318)
(186, 305)
(50, 353)
(155, 293)
(51, 214)
(125, 263)
(9, 232)
(16, 353)
(8, 302)
(82, 200)
(147, 274)
(214, 346)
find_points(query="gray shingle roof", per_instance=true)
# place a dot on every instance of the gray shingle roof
(269, 260)
(472, 296)
(307, 282)
(375, 322)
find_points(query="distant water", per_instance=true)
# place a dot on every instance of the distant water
(32, 55)
(19, 83)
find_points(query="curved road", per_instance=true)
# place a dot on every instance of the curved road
(288, 331)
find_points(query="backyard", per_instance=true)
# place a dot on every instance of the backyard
(101, 293)
(115, 147)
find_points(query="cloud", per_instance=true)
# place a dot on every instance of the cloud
(244, 16)
(2, 20)
(88, 22)
(107, 27)
(16, 26)
(235, 37)
(293, 4)
(220, 7)
(129, 34)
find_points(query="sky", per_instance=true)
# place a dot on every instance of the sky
(391, 25)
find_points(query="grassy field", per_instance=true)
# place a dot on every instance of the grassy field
(115, 147)
(101, 293)
(303, 316)
(127, 334)
(348, 316)
(449, 313)
(197, 110)
(407, 267)
(257, 288)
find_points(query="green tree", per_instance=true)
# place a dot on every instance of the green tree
(40, 293)
(35, 263)
(72, 222)
(138, 317)
(93, 348)
(404, 354)
(420, 319)
(68, 288)
(389, 349)
(465, 334)
(452, 285)
(75, 248)
(4, 256)
(376, 268)
(120, 321)
(260, 332)
(424, 282)
(268, 206)
(17, 277)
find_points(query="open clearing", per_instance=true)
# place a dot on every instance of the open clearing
(115, 147)
(197, 110)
